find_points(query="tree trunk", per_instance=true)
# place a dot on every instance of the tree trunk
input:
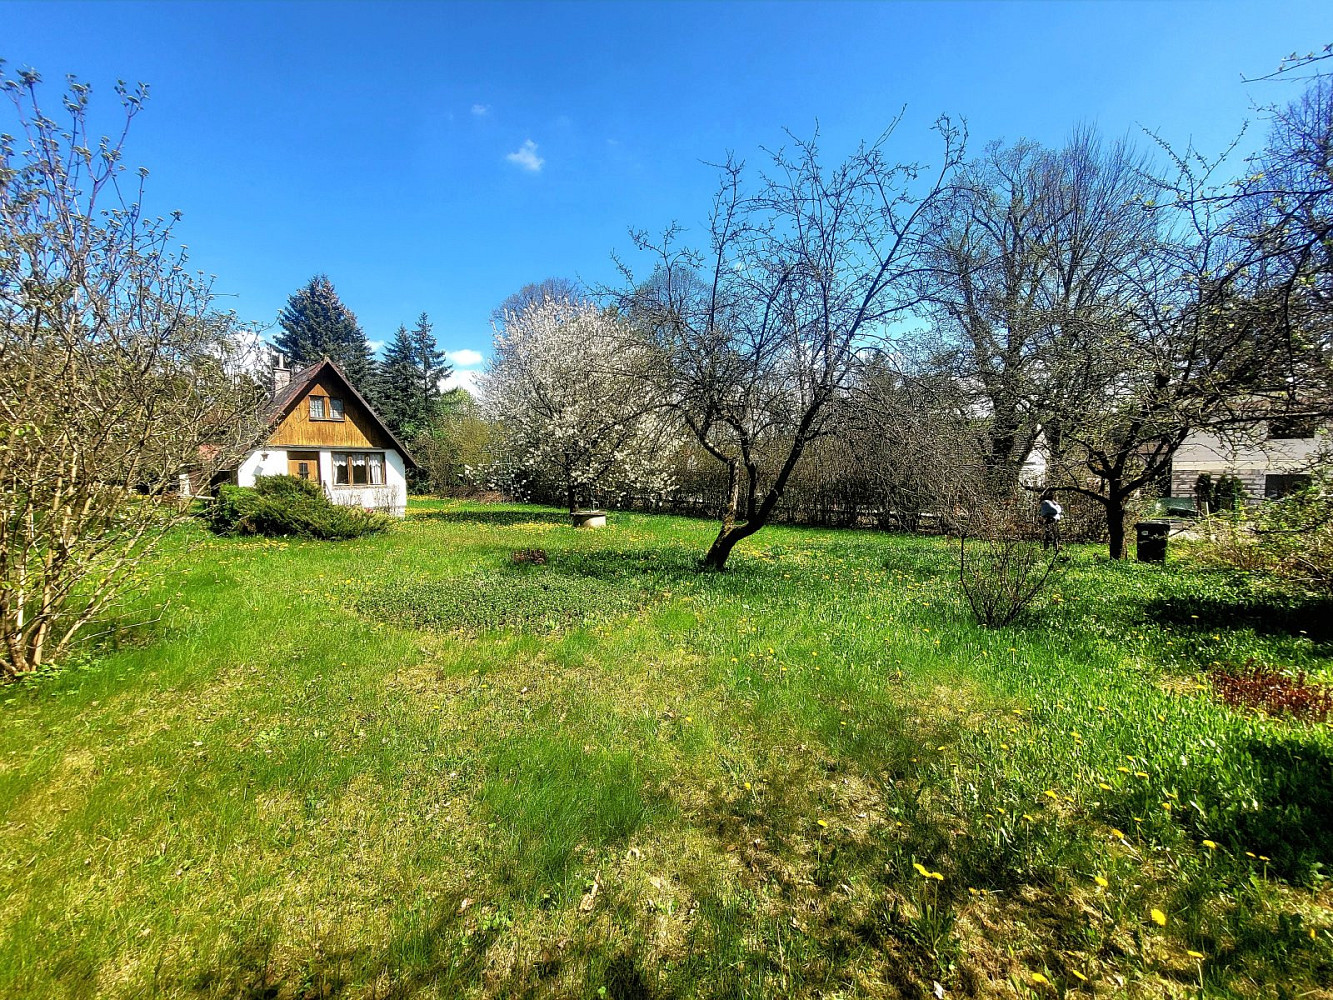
(718, 553)
(730, 533)
(1115, 524)
(571, 497)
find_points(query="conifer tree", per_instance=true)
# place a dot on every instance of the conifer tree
(410, 378)
(315, 323)
(395, 381)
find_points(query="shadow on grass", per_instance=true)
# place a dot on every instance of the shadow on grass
(446, 956)
(1275, 615)
(444, 953)
(1293, 824)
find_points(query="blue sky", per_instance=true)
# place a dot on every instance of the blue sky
(439, 156)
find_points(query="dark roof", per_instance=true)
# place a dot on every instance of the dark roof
(281, 404)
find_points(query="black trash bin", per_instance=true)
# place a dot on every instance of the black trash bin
(1151, 541)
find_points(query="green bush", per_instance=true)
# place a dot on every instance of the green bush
(1290, 540)
(285, 505)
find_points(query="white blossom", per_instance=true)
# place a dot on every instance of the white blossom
(571, 388)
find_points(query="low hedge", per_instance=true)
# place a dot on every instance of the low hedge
(286, 505)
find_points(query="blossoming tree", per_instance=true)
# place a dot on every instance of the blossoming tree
(568, 387)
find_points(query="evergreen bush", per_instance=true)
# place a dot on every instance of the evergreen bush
(286, 505)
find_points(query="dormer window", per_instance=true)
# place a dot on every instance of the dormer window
(325, 408)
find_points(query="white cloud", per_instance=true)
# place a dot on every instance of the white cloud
(375, 345)
(465, 358)
(481, 110)
(462, 380)
(526, 157)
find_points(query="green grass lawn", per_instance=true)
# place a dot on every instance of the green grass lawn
(407, 766)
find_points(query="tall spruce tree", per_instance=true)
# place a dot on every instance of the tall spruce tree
(410, 378)
(315, 323)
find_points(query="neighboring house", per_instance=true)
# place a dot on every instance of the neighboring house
(323, 429)
(1273, 459)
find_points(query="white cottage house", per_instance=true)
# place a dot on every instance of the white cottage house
(321, 428)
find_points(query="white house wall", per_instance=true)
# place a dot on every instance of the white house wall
(272, 462)
(391, 498)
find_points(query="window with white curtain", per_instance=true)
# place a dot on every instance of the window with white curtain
(358, 468)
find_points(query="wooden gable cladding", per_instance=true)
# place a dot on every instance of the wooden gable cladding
(357, 429)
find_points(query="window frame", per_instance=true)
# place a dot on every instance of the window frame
(1280, 485)
(331, 409)
(369, 462)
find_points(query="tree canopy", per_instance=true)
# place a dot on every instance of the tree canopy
(410, 377)
(315, 323)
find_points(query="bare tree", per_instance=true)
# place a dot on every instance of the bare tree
(535, 293)
(915, 442)
(1285, 206)
(1027, 250)
(1201, 339)
(759, 334)
(115, 377)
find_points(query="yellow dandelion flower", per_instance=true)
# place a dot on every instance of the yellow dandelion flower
(1211, 845)
(921, 869)
(1100, 881)
(1078, 975)
(1194, 954)
(1051, 795)
(1158, 917)
(824, 824)
(1118, 834)
(1103, 786)
(1039, 979)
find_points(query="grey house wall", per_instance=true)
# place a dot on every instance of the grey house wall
(1251, 459)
